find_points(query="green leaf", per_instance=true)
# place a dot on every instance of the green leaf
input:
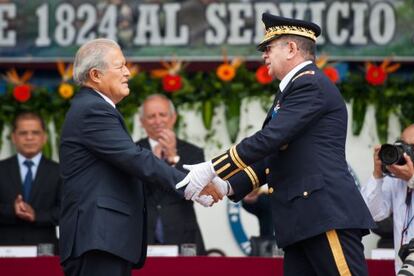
(207, 113)
(233, 117)
(359, 108)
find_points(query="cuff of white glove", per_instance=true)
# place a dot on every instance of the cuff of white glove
(229, 189)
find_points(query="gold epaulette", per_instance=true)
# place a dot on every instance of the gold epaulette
(309, 72)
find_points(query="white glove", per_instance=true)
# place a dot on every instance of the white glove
(199, 176)
(205, 200)
(221, 185)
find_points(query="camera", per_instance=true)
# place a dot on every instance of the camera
(406, 254)
(390, 154)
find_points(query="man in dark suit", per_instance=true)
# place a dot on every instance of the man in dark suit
(171, 218)
(29, 187)
(103, 217)
(318, 212)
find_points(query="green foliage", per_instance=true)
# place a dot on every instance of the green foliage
(205, 91)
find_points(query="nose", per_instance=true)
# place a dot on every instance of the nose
(126, 71)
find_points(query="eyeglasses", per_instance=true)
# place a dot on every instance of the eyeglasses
(267, 48)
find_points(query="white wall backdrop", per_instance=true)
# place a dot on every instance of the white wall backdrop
(214, 220)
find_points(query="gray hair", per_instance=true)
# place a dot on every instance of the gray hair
(91, 55)
(306, 45)
(157, 96)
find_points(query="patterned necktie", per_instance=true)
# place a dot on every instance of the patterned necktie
(28, 179)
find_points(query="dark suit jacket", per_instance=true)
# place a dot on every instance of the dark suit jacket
(44, 198)
(177, 214)
(103, 204)
(300, 153)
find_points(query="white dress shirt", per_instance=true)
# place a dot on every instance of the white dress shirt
(284, 82)
(388, 195)
(23, 167)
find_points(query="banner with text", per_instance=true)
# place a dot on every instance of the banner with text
(43, 31)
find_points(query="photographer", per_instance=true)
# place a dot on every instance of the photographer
(389, 190)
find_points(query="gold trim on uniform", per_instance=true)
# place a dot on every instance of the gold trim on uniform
(289, 30)
(338, 253)
(220, 159)
(309, 72)
(236, 158)
(231, 174)
(253, 177)
(223, 168)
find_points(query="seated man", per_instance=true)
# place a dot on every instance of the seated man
(171, 218)
(29, 187)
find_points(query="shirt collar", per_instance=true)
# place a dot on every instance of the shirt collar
(153, 143)
(108, 100)
(290, 75)
(35, 159)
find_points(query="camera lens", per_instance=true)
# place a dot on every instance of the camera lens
(389, 154)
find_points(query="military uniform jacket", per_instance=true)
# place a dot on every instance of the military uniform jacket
(300, 153)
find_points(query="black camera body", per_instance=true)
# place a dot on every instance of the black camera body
(406, 253)
(390, 154)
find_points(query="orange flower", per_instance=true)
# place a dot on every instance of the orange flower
(226, 72)
(375, 75)
(262, 75)
(171, 83)
(332, 73)
(65, 90)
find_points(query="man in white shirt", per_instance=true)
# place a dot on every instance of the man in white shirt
(385, 194)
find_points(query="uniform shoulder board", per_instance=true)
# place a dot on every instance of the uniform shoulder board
(309, 72)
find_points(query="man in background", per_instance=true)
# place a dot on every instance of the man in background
(29, 187)
(171, 218)
(386, 195)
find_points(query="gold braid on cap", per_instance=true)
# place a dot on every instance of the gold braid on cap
(294, 30)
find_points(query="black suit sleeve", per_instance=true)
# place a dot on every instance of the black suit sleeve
(104, 135)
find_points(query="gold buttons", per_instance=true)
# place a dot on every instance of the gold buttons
(267, 171)
(305, 194)
(271, 190)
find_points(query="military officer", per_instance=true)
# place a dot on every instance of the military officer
(319, 215)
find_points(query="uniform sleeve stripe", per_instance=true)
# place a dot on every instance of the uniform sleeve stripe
(252, 174)
(231, 174)
(225, 156)
(235, 156)
(338, 254)
(223, 168)
(309, 72)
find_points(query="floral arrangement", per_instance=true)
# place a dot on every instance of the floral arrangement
(229, 84)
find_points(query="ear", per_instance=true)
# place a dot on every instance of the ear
(95, 75)
(174, 118)
(13, 138)
(293, 49)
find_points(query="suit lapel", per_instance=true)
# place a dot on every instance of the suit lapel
(270, 112)
(16, 180)
(41, 176)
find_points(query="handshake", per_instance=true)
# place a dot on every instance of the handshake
(203, 184)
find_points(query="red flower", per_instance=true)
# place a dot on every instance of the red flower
(331, 73)
(262, 75)
(22, 93)
(171, 83)
(375, 75)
